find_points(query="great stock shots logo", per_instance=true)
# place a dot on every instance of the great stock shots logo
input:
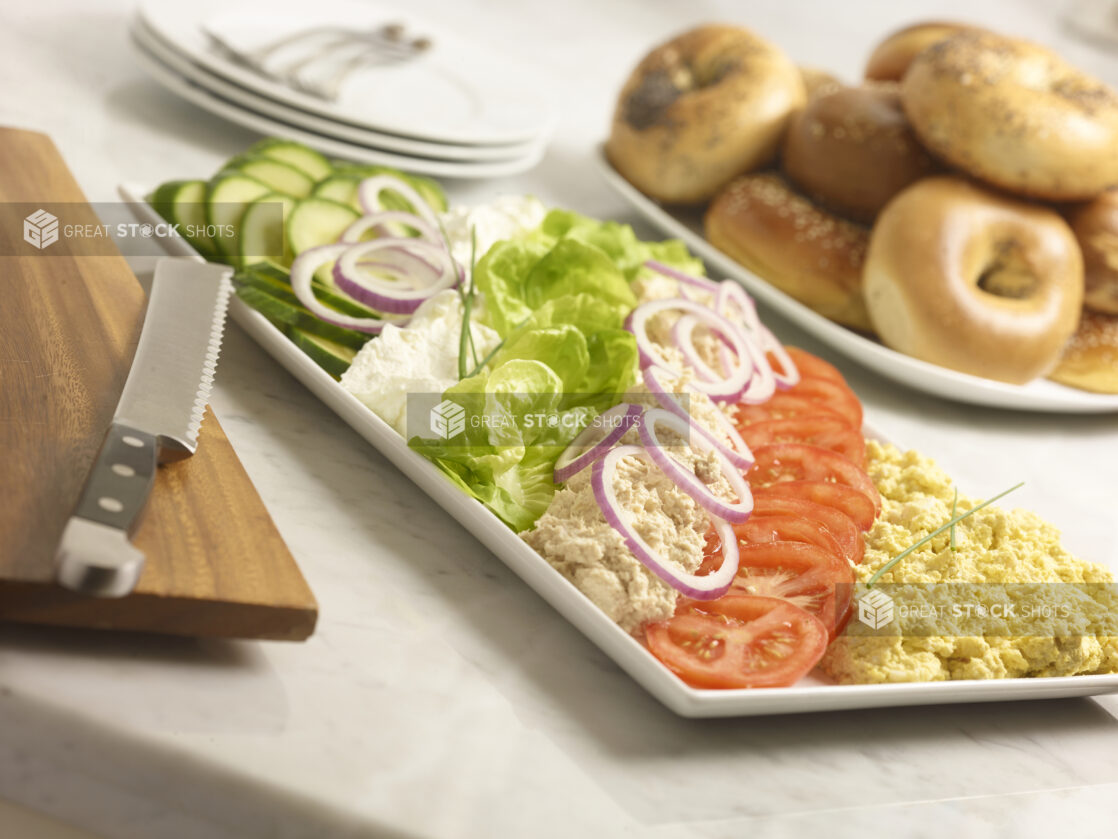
(40, 229)
(875, 609)
(448, 419)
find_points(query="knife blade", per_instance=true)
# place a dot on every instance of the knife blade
(156, 421)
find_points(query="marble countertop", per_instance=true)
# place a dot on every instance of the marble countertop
(440, 697)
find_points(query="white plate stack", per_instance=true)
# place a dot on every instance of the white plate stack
(361, 81)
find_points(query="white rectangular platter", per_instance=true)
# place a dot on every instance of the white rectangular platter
(1038, 395)
(811, 694)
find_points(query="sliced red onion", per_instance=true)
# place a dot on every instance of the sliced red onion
(762, 385)
(388, 296)
(789, 374)
(729, 296)
(683, 336)
(369, 190)
(728, 389)
(302, 272)
(738, 453)
(577, 456)
(704, 283)
(709, 587)
(425, 229)
(687, 480)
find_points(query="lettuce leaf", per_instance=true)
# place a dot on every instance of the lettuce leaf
(558, 296)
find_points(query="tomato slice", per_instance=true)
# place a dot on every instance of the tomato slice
(739, 642)
(846, 533)
(782, 405)
(813, 367)
(800, 462)
(826, 431)
(832, 396)
(760, 530)
(850, 502)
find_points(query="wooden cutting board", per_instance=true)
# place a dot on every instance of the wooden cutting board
(70, 317)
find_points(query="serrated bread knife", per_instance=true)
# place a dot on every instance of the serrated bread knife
(156, 421)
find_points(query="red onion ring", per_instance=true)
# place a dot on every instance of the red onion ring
(302, 272)
(369, 190)
(425, 229)
(686, 279)
(577, 457)
(789, 375)
(373, 290)
(738, 454)
(709, 587)
(684, 478)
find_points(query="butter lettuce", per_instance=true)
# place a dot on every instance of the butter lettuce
(558, 296)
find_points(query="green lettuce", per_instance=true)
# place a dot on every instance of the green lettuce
(558, 296)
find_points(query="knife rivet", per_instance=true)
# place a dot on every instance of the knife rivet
(111, 505)
(124, 470)
(134, 442)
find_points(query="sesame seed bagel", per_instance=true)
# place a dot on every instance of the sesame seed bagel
(1090, 359)
(701, 109)
(890, 59)
(1096, 226)
(1015, 115)
(852, 149)
(965, 278)
(816, 257)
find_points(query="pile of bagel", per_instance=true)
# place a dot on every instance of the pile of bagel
(961, 203)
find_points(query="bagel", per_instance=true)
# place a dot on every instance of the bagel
(852, 149)
(818, 81)
(890, 59)
(700, 109)
(1090, 359)
(1015, 115)
(815, 257)
(1096, 227)
(971, 280)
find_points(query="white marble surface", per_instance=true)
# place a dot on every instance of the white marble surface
(440, 697)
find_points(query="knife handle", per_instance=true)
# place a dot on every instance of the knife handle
(95, 556)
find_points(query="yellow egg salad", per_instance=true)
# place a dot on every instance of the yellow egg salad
(1010, 559)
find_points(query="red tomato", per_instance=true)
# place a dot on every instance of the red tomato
(813, 578)
(813, 367)
(782, 406)
(739, 642)
(760, 530)
(832, 396)
(798, 462)
(854, 504)
(845, 532)
(826, 431)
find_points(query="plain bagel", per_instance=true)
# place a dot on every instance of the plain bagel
(890, 59)
(699, 110)
(1096, 226)
(967, 279)
(1014, 114)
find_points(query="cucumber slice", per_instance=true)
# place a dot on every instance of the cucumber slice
(262, 230)
(306, 160)
(276, 283)
(184, 203)
(280, 176)
(317, 221)
(340, 188)
(429, 189)
(226, 198)
(334, 358)
(280, 311)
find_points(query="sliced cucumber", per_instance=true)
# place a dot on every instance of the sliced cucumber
(262, 230)
(317, 221)
(280, 311)
(340, 188)
(184, 203)
(306, 160)
(334, 358)
(429, 189)
(276, 283)
(227, 195)
(280, 176)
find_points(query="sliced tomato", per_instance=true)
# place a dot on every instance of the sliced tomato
(850, 502)
(760, 530)
(799, 462)
(824, 430)
(739, 642)
(782, 405)
(845, 532)
(813, 367)
(813, 578)
(831, 395)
